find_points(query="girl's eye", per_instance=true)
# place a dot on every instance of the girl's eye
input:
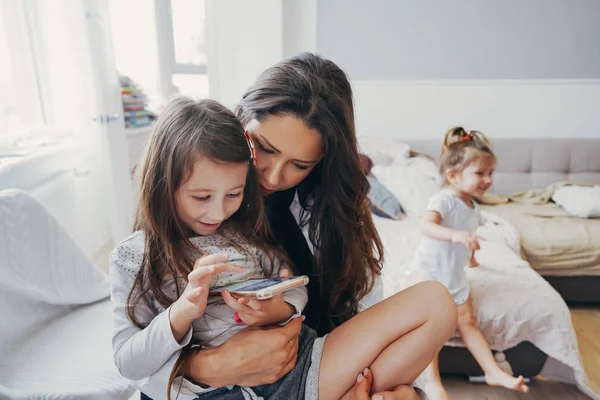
(301, 167)
(201, 198)
(264, 149)
(234, 195)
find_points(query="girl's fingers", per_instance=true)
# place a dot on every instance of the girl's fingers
(209, 259)
(233, 303)
(254, 304)
(204, 271)
(284, 273)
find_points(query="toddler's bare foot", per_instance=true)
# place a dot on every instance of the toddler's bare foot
(501, 378)
(473, 263)
(435, 391)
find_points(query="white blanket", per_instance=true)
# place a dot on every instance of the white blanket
(511, 301)
(579, 201)
(56, 325)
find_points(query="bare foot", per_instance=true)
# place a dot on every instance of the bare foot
(473, 263)
(501, 378)
(435, 391)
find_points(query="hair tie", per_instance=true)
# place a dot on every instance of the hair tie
(468, 136)
(251, 146)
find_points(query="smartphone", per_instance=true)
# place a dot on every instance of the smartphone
(262, 289)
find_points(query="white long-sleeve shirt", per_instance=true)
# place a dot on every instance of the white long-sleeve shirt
(148, 355)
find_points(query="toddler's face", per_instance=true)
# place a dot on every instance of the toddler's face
(213, 193)
(476, 178)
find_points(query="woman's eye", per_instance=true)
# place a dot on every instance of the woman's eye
(201, 198)
(234, 195)
(301, 167)
(264, 149)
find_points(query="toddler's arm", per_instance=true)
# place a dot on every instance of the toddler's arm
(430, 227)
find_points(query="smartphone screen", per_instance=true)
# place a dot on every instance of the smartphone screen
(252, 285)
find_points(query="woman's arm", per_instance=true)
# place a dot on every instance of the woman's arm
(252, 357)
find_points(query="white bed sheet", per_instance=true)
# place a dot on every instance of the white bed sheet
(511, 301)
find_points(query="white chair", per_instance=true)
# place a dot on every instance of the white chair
(55, 312)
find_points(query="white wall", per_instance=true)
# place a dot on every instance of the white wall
(244, 38)
(508, 109)
(299, 26)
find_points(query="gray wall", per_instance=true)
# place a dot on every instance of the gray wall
(461, 39)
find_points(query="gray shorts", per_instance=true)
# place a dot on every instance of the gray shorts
(299, 384)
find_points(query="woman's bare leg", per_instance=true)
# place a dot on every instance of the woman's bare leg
(478, 346)
(433, 384)
(396, 339)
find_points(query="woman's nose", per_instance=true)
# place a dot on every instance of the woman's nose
(273, 175)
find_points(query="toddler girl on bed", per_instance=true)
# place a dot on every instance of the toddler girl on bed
(449, 244)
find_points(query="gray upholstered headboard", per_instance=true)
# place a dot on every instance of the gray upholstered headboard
(525, 164)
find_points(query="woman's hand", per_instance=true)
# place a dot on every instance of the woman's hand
(192, 302)
(470, 240)
(254, 312)
(252, 357)
(361, 390)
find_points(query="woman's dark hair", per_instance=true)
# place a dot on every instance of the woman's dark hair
(348, 250)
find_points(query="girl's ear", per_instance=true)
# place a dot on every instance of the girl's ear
(451, 176)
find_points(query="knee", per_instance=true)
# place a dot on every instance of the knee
(467, 321)
(439, 304)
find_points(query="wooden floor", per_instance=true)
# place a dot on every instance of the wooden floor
(587, 327)
(461, 389)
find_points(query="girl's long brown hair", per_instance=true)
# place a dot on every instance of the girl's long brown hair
(349, 251)
(185, 130)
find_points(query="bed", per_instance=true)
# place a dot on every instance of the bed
(564, 250)
(533, 337)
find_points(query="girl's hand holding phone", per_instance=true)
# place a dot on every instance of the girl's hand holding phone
(253, 312)
(192, 302)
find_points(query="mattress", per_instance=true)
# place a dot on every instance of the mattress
(554, 243)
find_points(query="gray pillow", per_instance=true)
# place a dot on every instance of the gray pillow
(383, 202)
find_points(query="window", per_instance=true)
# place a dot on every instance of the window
(181, 30)
(20, 105)
(160, 45)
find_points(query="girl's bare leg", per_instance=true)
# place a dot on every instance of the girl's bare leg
(396, 338)
(478, 346)
(433, 385)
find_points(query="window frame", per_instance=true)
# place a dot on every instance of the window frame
(168, 65)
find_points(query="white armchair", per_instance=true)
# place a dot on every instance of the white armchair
(55, 312)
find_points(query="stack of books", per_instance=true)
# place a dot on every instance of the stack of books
(135, 104)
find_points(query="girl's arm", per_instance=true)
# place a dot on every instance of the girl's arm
(138, 353)
(430, 227)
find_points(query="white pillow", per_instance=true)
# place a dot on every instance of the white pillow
(579, 201)
(383, 151)
(413, 181)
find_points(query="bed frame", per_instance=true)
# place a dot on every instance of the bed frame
(525, 164)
